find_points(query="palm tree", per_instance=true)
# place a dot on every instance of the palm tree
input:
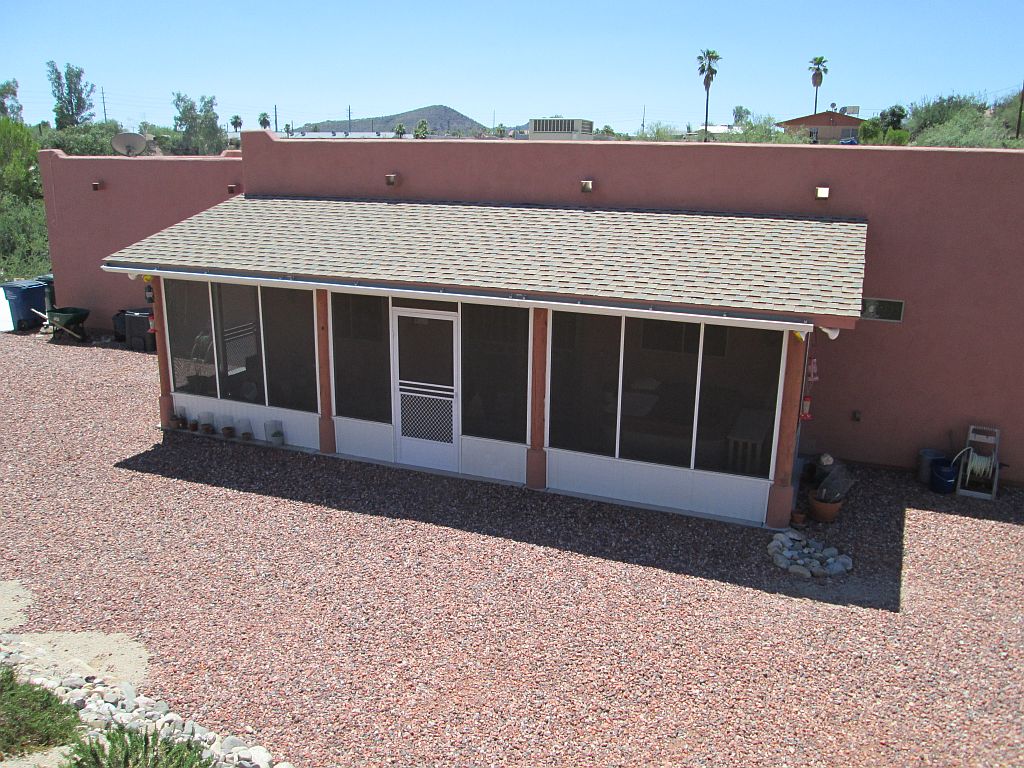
(236, 122)
(818, 70)
(707, 60)
(264, 121)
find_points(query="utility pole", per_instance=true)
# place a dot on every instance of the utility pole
(350, 118)
(492, 122)
(643, 121)
(1020, 110)
(103, 98)
(275, 118)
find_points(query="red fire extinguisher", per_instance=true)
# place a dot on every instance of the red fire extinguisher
(152, 323)
(805, 409)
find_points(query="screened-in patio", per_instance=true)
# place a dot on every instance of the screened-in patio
(621, 385)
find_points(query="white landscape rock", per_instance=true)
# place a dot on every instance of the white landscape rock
(794, 552)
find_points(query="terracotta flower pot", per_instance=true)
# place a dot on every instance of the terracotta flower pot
(823, 511)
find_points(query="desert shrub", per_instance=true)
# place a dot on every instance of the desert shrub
(32, 718)
(131, 749)
(870, 131)
(896, 137)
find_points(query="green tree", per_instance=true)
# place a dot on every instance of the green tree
(926, 114)
(288, 129)
(706, 61)
(9, 104)
(421, 130)
(970, 128)
(24, 250)
(400, 130)
(264, 120)
(84, 139)
(870, 131)
(199, 125)
(236, 123)
(761, 129)
(893, 117)
(607, 130)
(818, 69)
(658, 131)
(72, 95)
(740, 115)
(19, 174)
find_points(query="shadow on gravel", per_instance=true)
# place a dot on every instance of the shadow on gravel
(870, 528)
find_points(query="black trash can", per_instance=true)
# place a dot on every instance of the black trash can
(136, 330)
(51, 293)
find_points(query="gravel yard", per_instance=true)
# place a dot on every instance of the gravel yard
(351, 614)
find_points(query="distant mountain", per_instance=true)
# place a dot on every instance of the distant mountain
(440, 118)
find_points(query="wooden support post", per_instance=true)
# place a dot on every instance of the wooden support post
(163, 357)
(323, 356)
(536, 458)
(780, 496)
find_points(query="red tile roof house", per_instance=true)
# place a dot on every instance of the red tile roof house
(467, 307)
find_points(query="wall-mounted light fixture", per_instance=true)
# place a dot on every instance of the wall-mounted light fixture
(832, 333)
(587, 185)
(391, 179)
(97, 186)
(232, 188)
(821, 193)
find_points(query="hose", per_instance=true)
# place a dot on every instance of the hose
(978, 467)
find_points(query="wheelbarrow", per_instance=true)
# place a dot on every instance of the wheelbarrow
(69, 320)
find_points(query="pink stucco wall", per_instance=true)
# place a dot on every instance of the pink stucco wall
(137, 197)
(944, 235)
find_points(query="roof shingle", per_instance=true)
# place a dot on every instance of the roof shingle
(736, 261)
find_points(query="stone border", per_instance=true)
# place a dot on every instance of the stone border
(794, 552)
(103, 705)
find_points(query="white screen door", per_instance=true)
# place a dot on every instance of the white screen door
(426, 396)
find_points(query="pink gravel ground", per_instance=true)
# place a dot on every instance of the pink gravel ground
(352, 614)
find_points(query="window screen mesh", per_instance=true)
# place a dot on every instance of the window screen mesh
(659, 385)
(190, 340)
(738, 392)
(495, 361)
(362, 357)
(584, 382)
(290, 344)
(239, 353)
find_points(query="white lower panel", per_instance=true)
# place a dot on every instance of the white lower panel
(299, 428)
(708, 493)
(366, 439)
(494, 459)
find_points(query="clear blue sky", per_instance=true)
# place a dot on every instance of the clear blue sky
(517, 60)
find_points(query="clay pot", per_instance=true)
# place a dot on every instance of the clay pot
(193, 426)
(228, 432)
(824, 511)
(798, 518)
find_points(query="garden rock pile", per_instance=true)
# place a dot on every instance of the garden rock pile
(103, 705)
(794, 552)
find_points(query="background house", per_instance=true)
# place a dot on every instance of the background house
(824, 126)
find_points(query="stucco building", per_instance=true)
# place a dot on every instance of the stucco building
(475, 307)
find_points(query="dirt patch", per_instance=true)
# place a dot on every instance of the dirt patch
(50, 758)
(113, 656)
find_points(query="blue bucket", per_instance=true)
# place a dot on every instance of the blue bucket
(943, 476)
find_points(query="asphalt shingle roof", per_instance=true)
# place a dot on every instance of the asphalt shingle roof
(736, 261)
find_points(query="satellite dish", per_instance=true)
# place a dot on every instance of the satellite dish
(832, 106)
(130, 144)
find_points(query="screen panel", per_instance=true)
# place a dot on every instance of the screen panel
(584, 382)
(362, 357)
(239, 351)
(290, 344)
(190, 336)
(495, 365)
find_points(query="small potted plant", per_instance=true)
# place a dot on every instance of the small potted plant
(275, 432)
(827, 499)
(206, 423)
(228, 432)
(193, 426)
(244, 429)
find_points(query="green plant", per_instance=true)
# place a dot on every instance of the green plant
(870, 131)
(31, 717)
(706, 62)
(818, 69)
(131, 749)
(896, 137)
